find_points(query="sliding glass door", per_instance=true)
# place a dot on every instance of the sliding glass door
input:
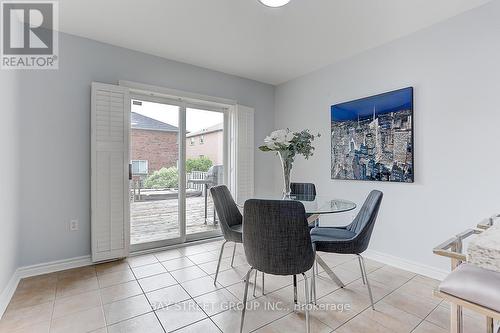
(154, 184)
(177, 152)
(204, 168)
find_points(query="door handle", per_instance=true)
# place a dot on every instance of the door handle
(130, 171)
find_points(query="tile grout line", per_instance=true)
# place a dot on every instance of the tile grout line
(225, 288)
(73, 295)
(414, 314)
(102, 305)
(438, 305)
(191, 299)
(222, 287)
(147, 299)
(356, 280)
(392, 292)
(53, 305)
(167, 271)
(351, 282)
(424, 320)
(364, 309)
(98, 289)
(292, 311)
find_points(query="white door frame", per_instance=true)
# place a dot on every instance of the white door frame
(183, 105)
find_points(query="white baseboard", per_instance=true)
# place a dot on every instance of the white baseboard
(408, 265)
(53, 266)
(8, 292)
(39, 269)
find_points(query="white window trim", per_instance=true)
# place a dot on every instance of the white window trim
(185, 103)
(178, 95)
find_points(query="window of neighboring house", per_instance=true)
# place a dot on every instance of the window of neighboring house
(202, 139)
(140, 167)
(191, 141)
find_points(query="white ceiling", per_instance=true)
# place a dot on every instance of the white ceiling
(245, 38)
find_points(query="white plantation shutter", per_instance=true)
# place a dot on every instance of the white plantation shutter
(110, 218)
(245, 150)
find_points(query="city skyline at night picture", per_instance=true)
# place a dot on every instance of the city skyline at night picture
(372, 138)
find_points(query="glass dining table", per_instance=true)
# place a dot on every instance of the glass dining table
(315, 206)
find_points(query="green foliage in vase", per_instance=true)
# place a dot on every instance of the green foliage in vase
(289, 144)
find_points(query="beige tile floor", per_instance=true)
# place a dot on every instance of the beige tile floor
(174, 291)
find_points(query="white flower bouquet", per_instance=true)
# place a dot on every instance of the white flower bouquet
(287, 145)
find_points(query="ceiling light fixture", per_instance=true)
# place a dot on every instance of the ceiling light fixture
(274, 3)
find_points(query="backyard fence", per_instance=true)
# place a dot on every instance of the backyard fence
(195, 175)
(137, 185)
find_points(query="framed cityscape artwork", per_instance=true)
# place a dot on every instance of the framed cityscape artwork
(372, 138)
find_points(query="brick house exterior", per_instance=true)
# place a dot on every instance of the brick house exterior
(153, 141)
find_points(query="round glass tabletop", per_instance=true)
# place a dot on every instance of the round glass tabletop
(316, 204)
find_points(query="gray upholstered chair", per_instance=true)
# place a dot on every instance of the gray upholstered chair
(230, 220)
(351, 239)
(305, 191)
(276, 240)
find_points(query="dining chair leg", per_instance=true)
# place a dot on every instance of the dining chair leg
(218, 264)
(245, 296)
(457, 323)
(313, 286)
(363, 271)
(306, 308)
(215, 216)
(234, 252)
(295, 289)
(263, 290)
(255, 283)
(490, 325)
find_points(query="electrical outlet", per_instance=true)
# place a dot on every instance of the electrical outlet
(73, 225)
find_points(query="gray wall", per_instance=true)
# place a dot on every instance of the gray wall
(455, 69)
(9, 172)
(55, 140)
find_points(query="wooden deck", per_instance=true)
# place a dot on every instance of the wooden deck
(158, 220)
